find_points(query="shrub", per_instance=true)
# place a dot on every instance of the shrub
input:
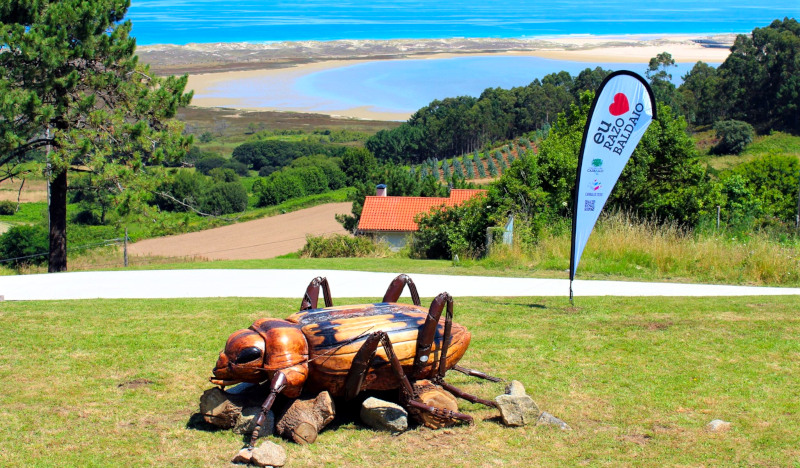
(734, 136)
(224, 198)
(340, 245)
(185, 186)
(448, 231)
(279, 187)
(7, 207)
(207, 163)
(25, 241)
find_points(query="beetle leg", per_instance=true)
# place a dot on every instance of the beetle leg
(396, 288)
(360, 366)
(362, 360)
(427, 334)
(474, 373)
(276, 385)
(410, 396)
(464, 395)
(311, 296)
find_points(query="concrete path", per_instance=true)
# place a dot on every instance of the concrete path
(292, 283)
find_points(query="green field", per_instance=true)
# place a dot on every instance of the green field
(115, 382)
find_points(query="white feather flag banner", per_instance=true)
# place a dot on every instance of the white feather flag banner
(621, 112)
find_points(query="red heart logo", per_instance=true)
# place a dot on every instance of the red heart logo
(620, 105)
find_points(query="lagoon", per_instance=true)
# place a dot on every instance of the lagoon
(398, 87)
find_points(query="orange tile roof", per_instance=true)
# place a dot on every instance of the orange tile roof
(398, 213)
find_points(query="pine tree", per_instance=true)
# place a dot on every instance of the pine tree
(445, 170)
(470, 168)
(492, 168)
(479, 165)
(458, 170)
(70, 80)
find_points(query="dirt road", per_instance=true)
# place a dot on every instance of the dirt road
(262, 238)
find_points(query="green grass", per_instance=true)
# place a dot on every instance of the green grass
(114, 383)
(29, 213)
(775, 143)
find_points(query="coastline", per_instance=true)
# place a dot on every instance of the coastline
(211, 65)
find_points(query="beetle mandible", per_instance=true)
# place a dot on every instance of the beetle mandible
(337, 349)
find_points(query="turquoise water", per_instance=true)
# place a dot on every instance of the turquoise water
(185, 21)
(403, 86)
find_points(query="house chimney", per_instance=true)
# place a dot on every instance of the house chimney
(380, 190)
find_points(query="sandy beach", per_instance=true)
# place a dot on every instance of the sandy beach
(281, 64)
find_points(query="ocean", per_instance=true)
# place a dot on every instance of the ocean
(206, 21)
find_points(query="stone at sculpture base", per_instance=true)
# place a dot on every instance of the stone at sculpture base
(516, 407)
(383, 415)
(266, 454)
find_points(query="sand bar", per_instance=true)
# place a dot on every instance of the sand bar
(284, 64)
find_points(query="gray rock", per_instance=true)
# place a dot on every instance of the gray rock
(515, 388)
(268, 454)
(547, 419)
(384, 415)
(517, 410)
(246, 422)
(718, 425)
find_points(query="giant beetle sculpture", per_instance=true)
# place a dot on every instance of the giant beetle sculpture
(348, 349)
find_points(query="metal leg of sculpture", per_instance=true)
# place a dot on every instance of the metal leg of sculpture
(427, 334)
(464, 395)
(361, 367)
(475, 373)
(311, 297)
(396, 288)
(276, 385)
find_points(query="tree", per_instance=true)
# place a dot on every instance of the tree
(760, 79)
(658, 72)
(69, 79)
(733, 136)
(699, 94)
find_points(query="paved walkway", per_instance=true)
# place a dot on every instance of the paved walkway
(292, 283)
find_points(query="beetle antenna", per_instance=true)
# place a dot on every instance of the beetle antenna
(333, 351)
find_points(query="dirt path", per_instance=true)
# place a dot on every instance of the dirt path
(262, 238)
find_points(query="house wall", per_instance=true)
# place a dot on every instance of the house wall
(396, 240)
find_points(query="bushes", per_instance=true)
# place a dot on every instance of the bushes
(290, 183)
(223, 198)
(733, 136)
(186, 190)
(23, 241)
(448, 231)
(7, 208)
(340, 245)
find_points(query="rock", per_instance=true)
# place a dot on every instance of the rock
(246, 422)
(383, 415)
(515, 388)
(547, 419)
(243, 456)
(718, 425)
(268, 454)
(217, 408)
(305, 418)
(517, 410)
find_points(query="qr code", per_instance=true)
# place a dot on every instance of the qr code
(589, 206)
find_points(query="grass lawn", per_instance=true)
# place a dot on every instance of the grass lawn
(114, 383)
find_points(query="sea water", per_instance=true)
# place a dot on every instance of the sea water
(204, 21)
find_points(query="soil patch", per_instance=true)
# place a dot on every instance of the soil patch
(261, 238)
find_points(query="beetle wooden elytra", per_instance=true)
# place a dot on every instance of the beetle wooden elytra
(348, 349)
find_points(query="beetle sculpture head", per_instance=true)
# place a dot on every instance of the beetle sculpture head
(254, 354)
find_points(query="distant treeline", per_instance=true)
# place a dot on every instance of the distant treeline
(758, 83)
(464, 124)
